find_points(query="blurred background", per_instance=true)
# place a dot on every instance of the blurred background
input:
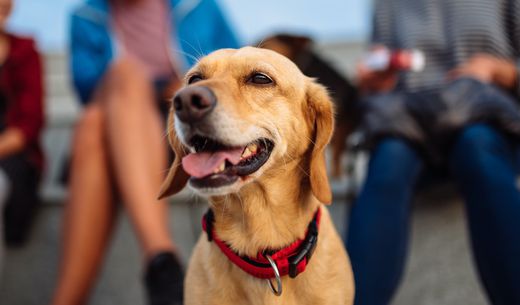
(438, 272)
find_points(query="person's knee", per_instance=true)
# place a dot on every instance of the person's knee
(89, 131)
(126, 88)
(123, 66)
(125, 74)
(394, 148)
(473, 146)
(394, 163)
(477, 136)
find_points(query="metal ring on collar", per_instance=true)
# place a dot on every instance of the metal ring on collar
(276, 291)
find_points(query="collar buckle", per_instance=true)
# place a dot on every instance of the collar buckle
(306, 249)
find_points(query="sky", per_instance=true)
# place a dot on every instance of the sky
(324, 20)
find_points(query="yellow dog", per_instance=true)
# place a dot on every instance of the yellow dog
(249, 131)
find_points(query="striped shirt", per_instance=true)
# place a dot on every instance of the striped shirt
(448, 32)
(143, 30)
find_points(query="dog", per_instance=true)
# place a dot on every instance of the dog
(249, 132)
(344, 94)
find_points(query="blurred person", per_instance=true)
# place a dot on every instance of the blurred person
(458, 113)
(127, 57)
(21, 122)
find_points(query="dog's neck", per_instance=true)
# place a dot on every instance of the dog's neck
(266, 215)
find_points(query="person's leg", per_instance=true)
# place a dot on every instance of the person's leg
(138, 152)
(137, 142)
(89, 212)
(23, 202)
(482, 161)
(379, 220)
(4, 193)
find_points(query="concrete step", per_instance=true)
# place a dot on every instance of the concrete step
(61, 111)
(58, 85)
(55, 63)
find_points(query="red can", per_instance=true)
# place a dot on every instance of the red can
(382, 59)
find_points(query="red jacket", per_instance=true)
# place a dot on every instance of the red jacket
(21, 83)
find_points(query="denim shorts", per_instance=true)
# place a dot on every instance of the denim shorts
(431, 119)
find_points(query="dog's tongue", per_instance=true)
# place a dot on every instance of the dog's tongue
(202, 164)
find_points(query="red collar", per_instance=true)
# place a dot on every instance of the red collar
(290, 260)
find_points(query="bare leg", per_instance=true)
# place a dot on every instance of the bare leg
(122, 133)
(89, 212)
(138, 152)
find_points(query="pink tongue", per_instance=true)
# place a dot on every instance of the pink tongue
(202, 164)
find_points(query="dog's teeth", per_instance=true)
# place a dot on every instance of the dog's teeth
(252, 147)
(221, 168)
(247, 152)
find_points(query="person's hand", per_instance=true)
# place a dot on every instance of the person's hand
(12, 141)
(488, 69)
(370, 81)
(373, 71)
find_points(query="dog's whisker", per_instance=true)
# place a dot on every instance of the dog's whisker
(194, 58)
(172, 167)
(195, 200)
(201, 53)
(311, 140)
(198, 51)
(292, 158)
(242, 206)
(277, 133)
(224, 206)
(261, 43)
(167, 134)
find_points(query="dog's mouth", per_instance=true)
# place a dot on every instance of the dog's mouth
(214, 164)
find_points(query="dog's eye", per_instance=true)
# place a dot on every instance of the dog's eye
(260, 79)
(194, 78)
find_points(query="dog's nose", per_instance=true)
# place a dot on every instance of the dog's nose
(192, 104)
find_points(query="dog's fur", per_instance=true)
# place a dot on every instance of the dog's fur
(272, 207)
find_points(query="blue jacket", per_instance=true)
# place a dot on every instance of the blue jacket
(199, 27)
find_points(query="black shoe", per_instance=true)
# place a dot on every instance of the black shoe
(164, 280)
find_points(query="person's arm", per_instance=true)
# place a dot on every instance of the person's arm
(369, 81)
(375, 80)
(514, 36)
(89, 56)
(488, 69)
(12, 141)
(25, 116)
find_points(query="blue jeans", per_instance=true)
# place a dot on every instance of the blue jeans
(482, 163)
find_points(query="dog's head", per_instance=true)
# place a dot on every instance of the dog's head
(241, 114)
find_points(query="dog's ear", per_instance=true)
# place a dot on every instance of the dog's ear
(177, 177)
(322, 118)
